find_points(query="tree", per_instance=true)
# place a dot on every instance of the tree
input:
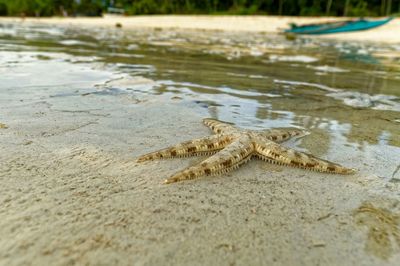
(281, 7)
(388, 7)
(328, 7)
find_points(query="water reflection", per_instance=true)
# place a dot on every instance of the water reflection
(346, 94)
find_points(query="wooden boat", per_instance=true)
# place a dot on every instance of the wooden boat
(335, 27)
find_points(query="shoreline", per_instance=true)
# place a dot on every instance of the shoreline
(261, 24)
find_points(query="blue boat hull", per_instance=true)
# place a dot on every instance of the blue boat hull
(336, 27)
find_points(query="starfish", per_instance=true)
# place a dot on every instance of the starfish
(231, 147)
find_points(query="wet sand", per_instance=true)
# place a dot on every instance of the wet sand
(72, 194)
(388, 33)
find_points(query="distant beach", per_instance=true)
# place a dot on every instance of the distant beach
(389, 33)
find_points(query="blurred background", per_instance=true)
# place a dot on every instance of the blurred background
(232, 7)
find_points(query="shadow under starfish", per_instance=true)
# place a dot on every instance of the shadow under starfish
(232, 147)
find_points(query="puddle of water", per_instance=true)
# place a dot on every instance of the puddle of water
(346, 94)
(47, 69)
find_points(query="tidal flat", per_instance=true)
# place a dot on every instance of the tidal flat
(78, 105)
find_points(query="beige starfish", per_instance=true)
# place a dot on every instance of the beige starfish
(233, 147)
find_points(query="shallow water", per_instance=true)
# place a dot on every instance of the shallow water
(346, 94)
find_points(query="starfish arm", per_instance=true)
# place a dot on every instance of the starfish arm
(275, 153)
(219, 126)
(281, 135)
(234, 155)
(202, 146)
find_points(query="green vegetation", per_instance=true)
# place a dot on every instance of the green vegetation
(239, 7)
(51, 7)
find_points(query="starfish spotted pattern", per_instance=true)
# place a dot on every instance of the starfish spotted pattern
(231, 147)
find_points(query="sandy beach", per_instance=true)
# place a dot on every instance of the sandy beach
(71, 192)
(389, 33)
